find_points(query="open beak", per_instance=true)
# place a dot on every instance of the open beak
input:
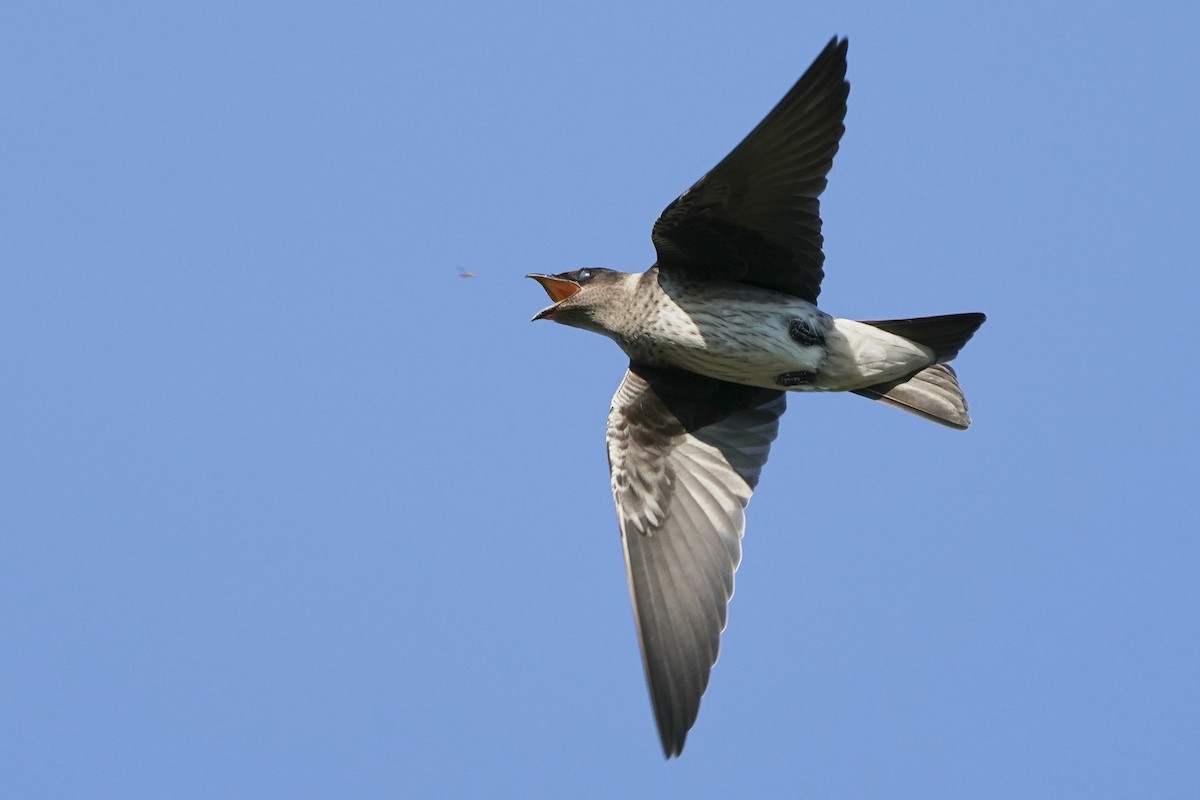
(558, 289)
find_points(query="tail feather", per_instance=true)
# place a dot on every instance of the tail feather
(932, 393)
(944, 335)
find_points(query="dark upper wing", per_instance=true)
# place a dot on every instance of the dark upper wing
(755, 217)
(685, 453)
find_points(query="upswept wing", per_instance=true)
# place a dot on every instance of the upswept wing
(755, 217)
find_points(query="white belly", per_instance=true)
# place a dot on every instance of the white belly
(748, 342)
(741, 337)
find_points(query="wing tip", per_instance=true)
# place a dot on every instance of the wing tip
(838, 47)
(672, 745)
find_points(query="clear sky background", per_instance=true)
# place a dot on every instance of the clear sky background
(291, 509)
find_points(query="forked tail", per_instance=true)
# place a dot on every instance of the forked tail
(932, 392)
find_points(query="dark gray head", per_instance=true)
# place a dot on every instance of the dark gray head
(593, 298)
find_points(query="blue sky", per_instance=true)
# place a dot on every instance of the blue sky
(291, 509)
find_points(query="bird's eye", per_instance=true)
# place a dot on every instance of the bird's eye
(585, 274)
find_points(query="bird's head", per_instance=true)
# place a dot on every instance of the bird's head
(593, 299)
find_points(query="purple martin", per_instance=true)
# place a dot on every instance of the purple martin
(717, 331)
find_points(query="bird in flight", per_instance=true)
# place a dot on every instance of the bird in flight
(717, 331)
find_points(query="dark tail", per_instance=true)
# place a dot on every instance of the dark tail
(944, 335)
(933, 392)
